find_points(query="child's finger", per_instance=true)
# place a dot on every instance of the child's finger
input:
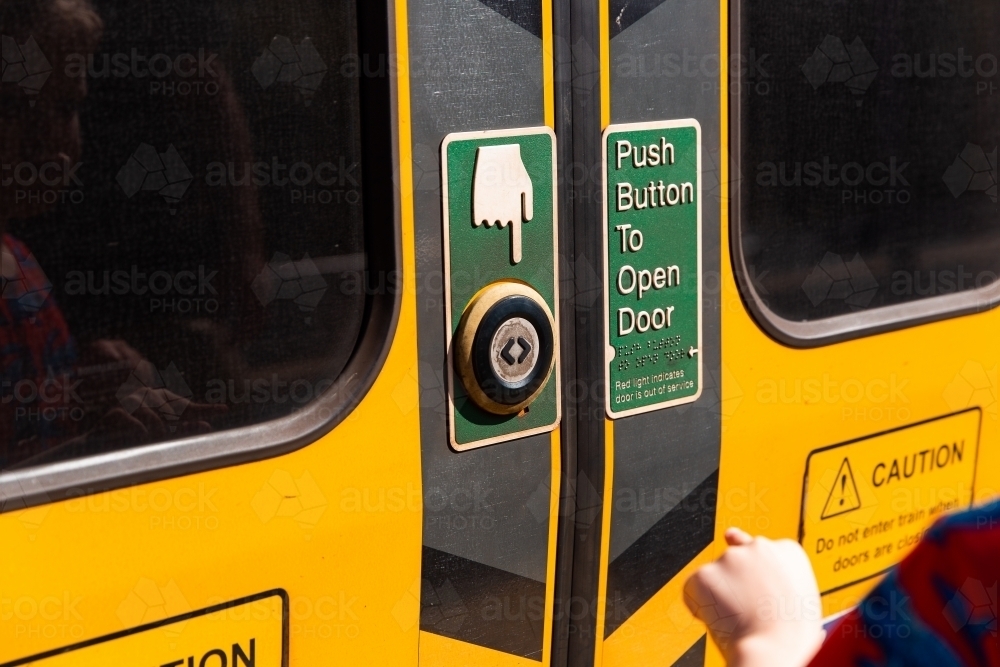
(737, 538)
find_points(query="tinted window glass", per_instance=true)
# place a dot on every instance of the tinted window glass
(181, 216)
(868, 154)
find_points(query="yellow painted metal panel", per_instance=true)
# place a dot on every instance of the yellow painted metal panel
(548, 66)
(337, 524)
(604, 24)
(550, 568)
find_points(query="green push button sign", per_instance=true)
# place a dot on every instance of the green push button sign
(652, 261)
(501, 285)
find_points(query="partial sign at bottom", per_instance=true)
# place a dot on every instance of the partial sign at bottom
(251, 632)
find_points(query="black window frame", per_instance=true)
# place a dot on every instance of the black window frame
(840, 328)
(98, 473)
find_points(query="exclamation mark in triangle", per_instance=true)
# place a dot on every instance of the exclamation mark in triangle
(844, 496)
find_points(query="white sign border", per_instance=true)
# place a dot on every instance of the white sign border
(446, 243)
(609, 351)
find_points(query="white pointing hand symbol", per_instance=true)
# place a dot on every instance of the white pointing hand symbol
(502, 193)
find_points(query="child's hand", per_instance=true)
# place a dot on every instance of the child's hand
(760, 602)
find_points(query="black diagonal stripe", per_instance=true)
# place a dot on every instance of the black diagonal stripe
(482, 605)
(626, 12)
(525, 13)
(664, 550)
(694, 656)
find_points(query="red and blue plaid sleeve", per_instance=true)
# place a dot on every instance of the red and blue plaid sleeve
(937, 609)
(37, 360)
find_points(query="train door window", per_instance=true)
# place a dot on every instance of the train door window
(185, 236)
(865, 164)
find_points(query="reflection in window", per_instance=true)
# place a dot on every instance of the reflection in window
(180, 204)
(868, 164)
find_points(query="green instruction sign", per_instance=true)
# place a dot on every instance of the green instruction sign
(652, 260)
(501, 286)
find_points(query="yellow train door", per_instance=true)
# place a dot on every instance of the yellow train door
(847, 176)
(231, 432)
(456, 332)
(210, 399)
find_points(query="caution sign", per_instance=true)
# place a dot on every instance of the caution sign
(251, 632)
(866, 503)
(844, 496)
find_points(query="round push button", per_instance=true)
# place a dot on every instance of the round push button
(505, 347)
(514, 351)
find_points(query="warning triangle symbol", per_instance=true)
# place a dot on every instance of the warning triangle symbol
(844, 496)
